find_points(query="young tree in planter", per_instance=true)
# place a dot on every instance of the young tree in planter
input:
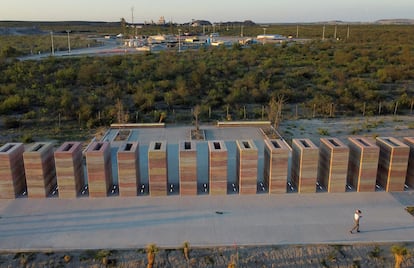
(275, 110)
(151, 250)
(196, 113)
(186, 250)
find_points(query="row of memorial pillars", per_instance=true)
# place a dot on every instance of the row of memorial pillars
(361, 166)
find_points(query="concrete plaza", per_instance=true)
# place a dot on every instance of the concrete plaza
(172, 135)
(114, 222)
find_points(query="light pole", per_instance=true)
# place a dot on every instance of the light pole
(179, 40)
(68, 31)
(53, 47)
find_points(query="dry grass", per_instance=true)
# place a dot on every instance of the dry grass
(367, 255)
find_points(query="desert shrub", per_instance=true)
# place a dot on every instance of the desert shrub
(376, 252)
(67, 258)
(27, 138)
(323, 132)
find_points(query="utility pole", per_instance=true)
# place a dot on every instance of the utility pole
(68, 31)
(179, 40)
(132, 19)
(297, 31)
(347, 33)
(241, 31)
(53, 46)
(323, 33)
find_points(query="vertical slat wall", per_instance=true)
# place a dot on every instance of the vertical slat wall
(247, 156)
(276, 162)
(99, 167)
(410, 170)
(12, 176)
(217, 167)
(188, 167)
(363, 164)
(392, 165)
(157, 168)
(39, 164)
(305, 156)
(69, 169)
(333, 164)
(128, 169)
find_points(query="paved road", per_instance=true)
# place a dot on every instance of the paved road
(168, 221)
(108, 46)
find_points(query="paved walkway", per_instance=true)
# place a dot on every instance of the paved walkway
(114, 222)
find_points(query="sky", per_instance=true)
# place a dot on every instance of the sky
(259, 11)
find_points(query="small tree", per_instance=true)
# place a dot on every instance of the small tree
(400, 253)
(121, 116)
(151, 250)
(186, 250)
(275, 110)
(196, 113)
(163, 115)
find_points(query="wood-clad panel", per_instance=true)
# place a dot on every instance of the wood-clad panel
(69, 169)
(12, 173)
(188, 168)
(392, 165)
(305, 156)
(363, 164)
(409, 180)
(217, 167)
(39, 163)
(157, 168)
(247, 156)
(128, 169)
(333, 164)
(99, 167)
(276, 162)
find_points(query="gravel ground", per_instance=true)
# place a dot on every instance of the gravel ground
(374, 126)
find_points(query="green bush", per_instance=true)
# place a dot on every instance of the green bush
(323, 132)
(27, 138)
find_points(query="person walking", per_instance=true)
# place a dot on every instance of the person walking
(357, 217)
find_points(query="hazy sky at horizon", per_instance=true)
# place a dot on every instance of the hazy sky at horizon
(264, 11)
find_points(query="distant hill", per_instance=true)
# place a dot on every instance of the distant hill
(20, 31)
(395, 21)
(38, 27)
